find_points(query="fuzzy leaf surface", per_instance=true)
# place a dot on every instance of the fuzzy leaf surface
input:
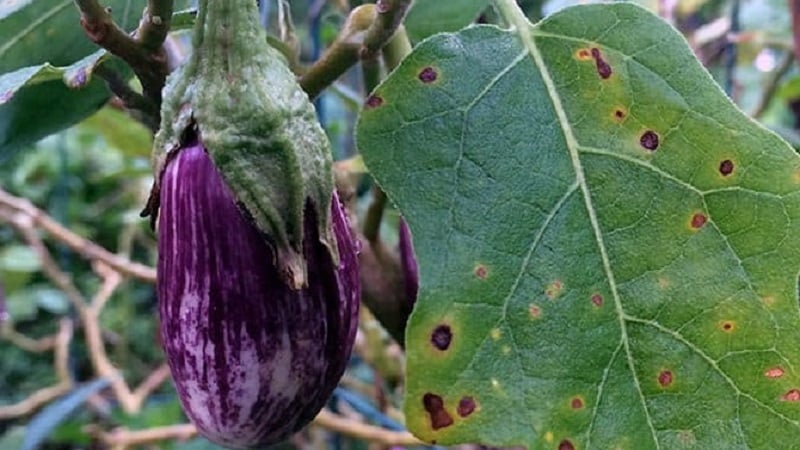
(608, 247)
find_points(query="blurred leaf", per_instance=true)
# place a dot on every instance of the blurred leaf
(19, 258)
(790, 90)
(427, 17)
(50, 417)
(130, 137)
(608, 247)
(183, 19)
(21, 305)
(13, 438)
(51, 300)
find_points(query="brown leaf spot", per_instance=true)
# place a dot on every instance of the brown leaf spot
(726, 167)
(554, 289)
(373, 101)
(466, 406)
(481, 271)
(619, 115)
(566, 445)
(597, 300)
(576, 403)
(441, 337)
(583, 54)
(665, 378)
(727, 326)
(427, 75)
(792, 396)
(434, 405)
(535, 311)
(603, 68)
(649, 140)
(775, 372)
(698, 220)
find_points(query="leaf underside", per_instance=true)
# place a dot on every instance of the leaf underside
(608, 246)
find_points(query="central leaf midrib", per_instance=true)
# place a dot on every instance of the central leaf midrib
(511, 12)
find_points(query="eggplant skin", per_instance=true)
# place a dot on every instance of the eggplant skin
(253, 360)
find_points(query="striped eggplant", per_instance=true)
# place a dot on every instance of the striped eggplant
(257, 273)
(253, 359)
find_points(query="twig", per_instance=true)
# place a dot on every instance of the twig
(122, 438)
(360, 430)
(772, 85)
(147, 59)
(342, 54)
(794, 9)
(144, 109)
(731, 51)
(78, 244)
(374, 216)
(23, 224)
(50, 393)
(155, 24)
(40, 345)
(390, 14)
(130, 401)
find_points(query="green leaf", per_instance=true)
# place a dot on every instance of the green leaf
(608, 247)
(38, 36)
(427, 17)
(19, 258)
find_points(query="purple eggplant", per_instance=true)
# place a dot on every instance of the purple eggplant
(253, 359)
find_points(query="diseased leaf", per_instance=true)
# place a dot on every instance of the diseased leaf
(608, 247)
(427, 17)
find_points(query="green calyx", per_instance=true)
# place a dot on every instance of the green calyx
(238, 96)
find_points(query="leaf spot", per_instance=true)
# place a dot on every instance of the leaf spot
(496, 333)
(495, 383)
(792, 396)
(374, 101)
(775, 372)
(427, 75)
(665, 378)
(466, 406)
(554, 289)
(441, 337)
(649, 140)
(434, 405)
(728, 326)
(576, 403)
(566, 445)
(726, 167)
(597, 300)
(583, 54)
(603, 68)
(506, 349)
(481, 271)
(619, 114)
(535, 311)
(698, 220)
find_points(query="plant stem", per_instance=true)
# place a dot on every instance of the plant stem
(398, 47)
(341, 55)
(390, 14)
(511, 12)
(146, 56)
(155, 24)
